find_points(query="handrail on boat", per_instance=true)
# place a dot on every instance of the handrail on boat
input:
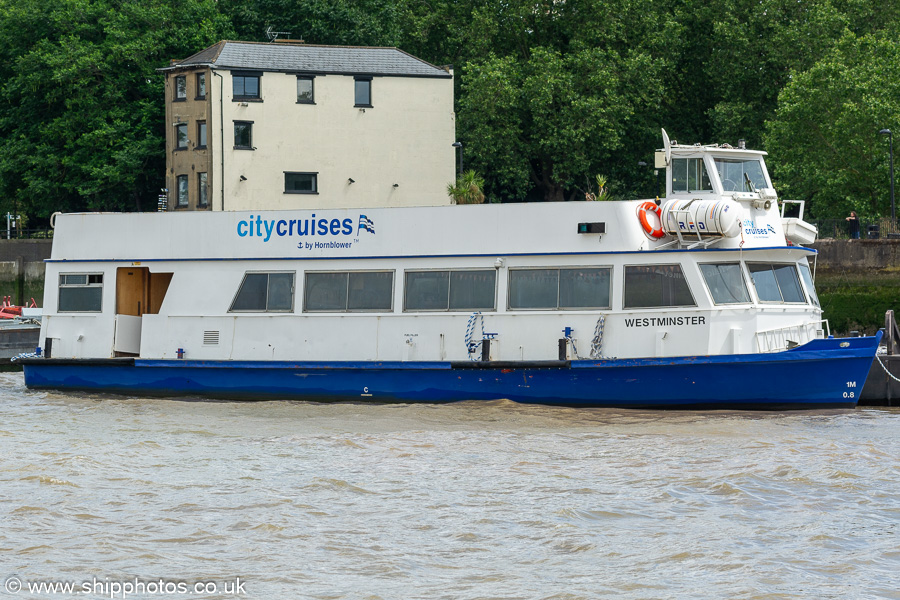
(780, 339)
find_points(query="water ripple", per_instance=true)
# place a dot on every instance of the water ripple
(469, 500)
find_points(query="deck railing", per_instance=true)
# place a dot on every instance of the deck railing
(785, 338)
(839, 229)
(14, 233)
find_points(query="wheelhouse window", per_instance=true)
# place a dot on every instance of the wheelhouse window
(265, 292)
(245, 86)
(301, 183)
(80, 292)
(202, 190)
(182, 189)
(689, 175)
(305, 90)
(181, 136)
(776, 282)
(346, 291)
(201, 134)
(180, 88)
(201, 86)
(810, 286)
(656, 286)
(740, 175)
(563, 288)
(362, 88)
(243, 135)
(725, 282)
(467, 290)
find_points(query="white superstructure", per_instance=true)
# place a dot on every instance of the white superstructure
(708, 273)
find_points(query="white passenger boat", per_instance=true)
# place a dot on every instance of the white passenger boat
(698, 302)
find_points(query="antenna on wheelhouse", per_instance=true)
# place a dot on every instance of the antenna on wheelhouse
(273, 35)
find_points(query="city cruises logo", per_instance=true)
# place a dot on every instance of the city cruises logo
(336, 233)
(759, 230)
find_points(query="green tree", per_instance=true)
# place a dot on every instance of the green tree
(554, 90)
(81, 116)
(824, 137)
(336, 22)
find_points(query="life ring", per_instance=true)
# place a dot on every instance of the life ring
(649, 229)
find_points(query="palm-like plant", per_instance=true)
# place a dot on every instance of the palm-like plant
(602, 192)
(467, 189)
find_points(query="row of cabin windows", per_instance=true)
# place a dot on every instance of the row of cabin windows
(246, 85)
(435, 290)
(646, 286)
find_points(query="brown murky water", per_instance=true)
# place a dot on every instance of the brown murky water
(471, 500)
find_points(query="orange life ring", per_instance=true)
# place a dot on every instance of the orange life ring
(653, 232)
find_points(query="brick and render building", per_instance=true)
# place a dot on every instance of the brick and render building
(285, 125)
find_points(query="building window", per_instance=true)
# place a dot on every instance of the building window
(301, 183)
(182, 187)
(181, 136)
(656, 286)
(450, 290)
(363, 91)
(243, 135)
(180, 88)
(201, 86)
(371, 291)
(202, 190)
(80, 292)
(569, 288)
(201, 134)
(265, 292)
(245, 86)
(776, 282)
(305, 90)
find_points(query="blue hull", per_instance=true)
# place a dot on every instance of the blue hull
(820, 374)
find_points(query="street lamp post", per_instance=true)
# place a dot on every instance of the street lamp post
(460, 147)
(890, 135)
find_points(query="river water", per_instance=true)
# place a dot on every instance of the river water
(282, 500)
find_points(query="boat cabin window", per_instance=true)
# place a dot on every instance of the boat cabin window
(344, 291)
(776, 282)
(474, 289)
(689, 175)
(725, 282)
(572, 288)
(265, 292)
(656, 286)
(80, 292)
(739, 175)
(807, 279)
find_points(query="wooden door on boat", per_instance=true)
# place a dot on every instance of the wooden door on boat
(138, 292)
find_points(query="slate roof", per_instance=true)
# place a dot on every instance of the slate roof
(343, 60)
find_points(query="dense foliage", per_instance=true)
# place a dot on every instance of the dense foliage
(550, 93)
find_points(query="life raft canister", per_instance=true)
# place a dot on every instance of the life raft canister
(653, 231)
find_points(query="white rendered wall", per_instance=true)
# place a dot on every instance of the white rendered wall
(404, 138)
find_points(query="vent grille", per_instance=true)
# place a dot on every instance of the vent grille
(210, 338)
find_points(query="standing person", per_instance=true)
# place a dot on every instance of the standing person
(853, 222)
